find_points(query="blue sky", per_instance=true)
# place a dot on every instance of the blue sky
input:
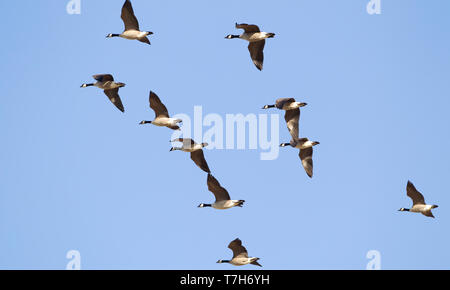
(77, 174)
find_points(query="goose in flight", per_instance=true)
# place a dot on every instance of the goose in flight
(196, 151)
(256, 40)
(162, 118)
(131, 23)
(286, 104)
(306, 147)
(419, 204)
(240, 255)
(223, 200)
(109, 87)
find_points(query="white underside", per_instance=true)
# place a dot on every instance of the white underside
(225, 204)
(421, 208)
(304, 145)
(254, 36)
(133, 34)
(241, 261)
(164, 122)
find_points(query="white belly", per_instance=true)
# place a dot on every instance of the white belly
(224, 204)
(304, 145)
(163, 122)
(420, 208)
(254, 36)
(240, 261)
(133, 34)
(190, 148)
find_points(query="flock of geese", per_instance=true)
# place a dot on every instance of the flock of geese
(256, 40)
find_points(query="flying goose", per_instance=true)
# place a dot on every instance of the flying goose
(196, 152)
(240, 255)
(286, 104)
(109, 87)
(419, 204)
(223, 200)
(305, 146)
(162, 118)
(132, 30)
(257, 41)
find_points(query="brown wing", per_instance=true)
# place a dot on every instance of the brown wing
(175, 127)
(129, 19)
(428, 214)
(199, 159)
(144, 40)
(256, 53)
(113, 96)
(292, 118)
(158, 106)
(247, 27)
(238, 249)
(283, 101)
(214, 186)
(414, 194)
(103, 77)
(256, 263)
(307, 161)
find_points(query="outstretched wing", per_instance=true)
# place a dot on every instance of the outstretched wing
(103, 77)
(256, 50)
(158, 106)
(414, 194)
(214, 186)
(248, 27)
(199, 159)
(129, 19)
(113, 96)
(144, 40)
(238, 249)
(256, 263)
(292, 118)
(307, 161)
(428, 214)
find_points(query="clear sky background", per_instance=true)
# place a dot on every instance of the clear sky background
(77, 174)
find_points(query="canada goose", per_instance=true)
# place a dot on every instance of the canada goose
(196, 152)
(257, 41)
(306, 151)
(162, 118)
(223, 200)
(305, 154)
(419, 204)
(109, 87)
(240, 255)
(286, 104)
(132, 30)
